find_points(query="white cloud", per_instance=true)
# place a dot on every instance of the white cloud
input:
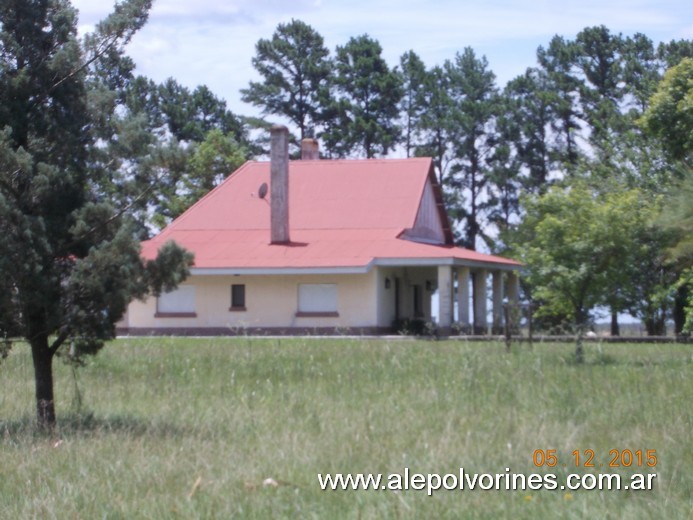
(212, 42)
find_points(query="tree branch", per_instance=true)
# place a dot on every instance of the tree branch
(59, 341)
(85, 65)
(113, 217)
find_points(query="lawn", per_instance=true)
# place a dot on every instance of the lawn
(191, 428)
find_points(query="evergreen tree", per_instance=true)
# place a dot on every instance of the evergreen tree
(598, 60)
(148, 139)
(529, 116)
(296, 70)
(367, 97)
(671, 53)
(69, 259)
(641, 71)
(413, 75)
(475, 104)
(436, 123)
(505, 180)
(556, 62)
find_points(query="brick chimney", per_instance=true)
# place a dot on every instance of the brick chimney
(279, 184)
(310, 150)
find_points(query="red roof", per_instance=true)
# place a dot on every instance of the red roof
(342, 214)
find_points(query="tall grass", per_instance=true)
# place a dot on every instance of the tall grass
(190, 428)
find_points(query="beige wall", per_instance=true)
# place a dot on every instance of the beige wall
(271, 301)
(408, 278)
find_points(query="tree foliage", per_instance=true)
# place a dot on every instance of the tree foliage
(670, 120)
(149, 137)
(670, 115)
(475, 101)
(436, 123)
(69, 258)
(296, 72)
(413, 78)
(365, 108)
(570, 117)
(575, 242)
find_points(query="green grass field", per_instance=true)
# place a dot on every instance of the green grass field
(190, 428)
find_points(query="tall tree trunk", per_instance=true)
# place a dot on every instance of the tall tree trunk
(679, 311)
(579, 349)
(580, 328)
(43, 376)
(650, 326)
(656, 323)
(615, 329)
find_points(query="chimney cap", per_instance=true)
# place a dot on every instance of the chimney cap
(278, 128)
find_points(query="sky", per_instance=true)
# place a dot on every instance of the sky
(212, 42)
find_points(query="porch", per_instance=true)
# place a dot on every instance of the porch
(464, 295)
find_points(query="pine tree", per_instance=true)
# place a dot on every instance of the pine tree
(475, 103)
(296, 70)
(436, 123)
(69, 260)
(368, 95)
(413, 76)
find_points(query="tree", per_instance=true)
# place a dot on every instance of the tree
(368, 95)
(670, 115)
(413, 75)
(505, 182)
(529, 116)
(436, 123)
(207, 165)
(669, 119)
(557, 61)
(296, 69)
(69, 260)
(673, 52)
(574, 241)
(613, 77)
(475, 102)
(641, 70)
(598, 60)
(149, 134)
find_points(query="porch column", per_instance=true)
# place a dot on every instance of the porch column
(513, 289)
(480, 323)
(444, 298)
(463, 299)
(497, 327)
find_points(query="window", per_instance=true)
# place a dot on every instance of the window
(179, 303)
(317, 299)
(237, 297)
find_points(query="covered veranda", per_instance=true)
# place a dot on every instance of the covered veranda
(465, 290)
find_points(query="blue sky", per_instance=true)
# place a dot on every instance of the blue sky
(212, 42)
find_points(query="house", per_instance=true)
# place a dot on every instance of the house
(322, 246)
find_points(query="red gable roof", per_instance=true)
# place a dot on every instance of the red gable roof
(342, 214)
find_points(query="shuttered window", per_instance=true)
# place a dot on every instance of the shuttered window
(317, 299)
(178, 303)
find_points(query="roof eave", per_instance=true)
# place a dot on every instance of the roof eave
(451, 261)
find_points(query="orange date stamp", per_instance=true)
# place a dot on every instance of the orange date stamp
(587, 459)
